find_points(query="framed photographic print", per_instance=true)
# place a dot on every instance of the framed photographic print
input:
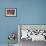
(10, 11)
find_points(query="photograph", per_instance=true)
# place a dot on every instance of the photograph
(10, 11)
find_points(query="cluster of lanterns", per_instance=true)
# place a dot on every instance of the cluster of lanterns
(12, 36)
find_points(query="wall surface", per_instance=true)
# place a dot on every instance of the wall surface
(28, 12)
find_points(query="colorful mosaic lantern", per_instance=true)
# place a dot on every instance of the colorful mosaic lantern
(12, 36)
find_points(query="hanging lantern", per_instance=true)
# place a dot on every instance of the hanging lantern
(12, 36)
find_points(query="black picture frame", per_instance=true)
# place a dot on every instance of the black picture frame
(10, 12)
